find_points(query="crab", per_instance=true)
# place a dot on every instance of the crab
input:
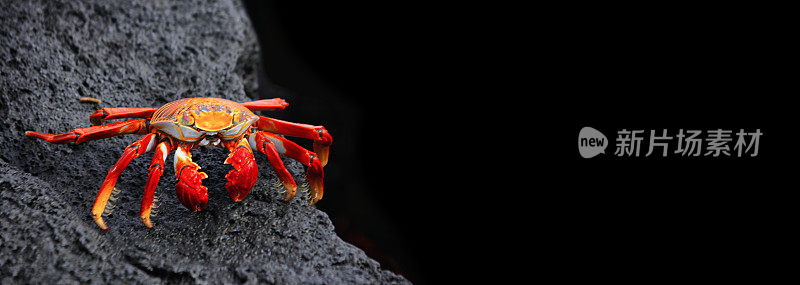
(185, 124)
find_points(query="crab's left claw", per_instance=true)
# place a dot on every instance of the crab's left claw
(242, 177)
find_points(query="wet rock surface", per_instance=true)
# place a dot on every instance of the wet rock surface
(142, 55)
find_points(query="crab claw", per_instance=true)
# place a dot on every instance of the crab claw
(244, 173)
(189, 189)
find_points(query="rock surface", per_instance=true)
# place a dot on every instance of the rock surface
(142, 55)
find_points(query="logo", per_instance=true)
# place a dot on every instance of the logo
(685, 143)
(591, 142)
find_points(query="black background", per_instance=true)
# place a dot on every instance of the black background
(455, 133)
(675, 68)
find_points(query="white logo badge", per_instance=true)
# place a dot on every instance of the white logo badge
(591, 142)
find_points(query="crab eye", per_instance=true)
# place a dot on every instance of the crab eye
(187, 119)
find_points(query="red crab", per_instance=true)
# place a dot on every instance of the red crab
(185, 124)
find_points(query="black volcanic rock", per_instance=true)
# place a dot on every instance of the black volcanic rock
(142, 55)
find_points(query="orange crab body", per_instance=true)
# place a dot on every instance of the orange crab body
(194, 118)
(185, 124)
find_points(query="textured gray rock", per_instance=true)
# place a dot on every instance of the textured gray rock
(141, 55)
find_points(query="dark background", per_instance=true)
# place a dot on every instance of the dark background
(455, 133)
(673, 68)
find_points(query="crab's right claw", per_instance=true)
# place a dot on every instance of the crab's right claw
(190, 190)
(192, 194)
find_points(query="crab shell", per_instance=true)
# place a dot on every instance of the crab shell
(191, 119)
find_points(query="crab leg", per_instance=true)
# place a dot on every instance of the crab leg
(322, 139)
(274, 104)
(138, 126)
(260, 142)
(314, 174)
(156, 169)
(99, 116)
(190, 190)
(135, 149)
(245, 171)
